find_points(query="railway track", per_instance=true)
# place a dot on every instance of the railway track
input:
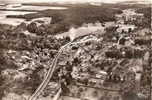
(49, 74)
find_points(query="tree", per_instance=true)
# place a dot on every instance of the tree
(32, 27)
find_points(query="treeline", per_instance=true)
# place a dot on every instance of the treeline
(62, 20)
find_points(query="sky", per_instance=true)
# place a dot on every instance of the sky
(106, 1)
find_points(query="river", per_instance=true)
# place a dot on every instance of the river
(17, 21)
(12, 21)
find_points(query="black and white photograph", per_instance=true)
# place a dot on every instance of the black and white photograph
(75, 50)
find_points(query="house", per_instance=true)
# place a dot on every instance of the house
(126, 28)
(101, 74)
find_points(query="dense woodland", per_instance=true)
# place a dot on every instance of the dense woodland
(74, 16)
(147, 14)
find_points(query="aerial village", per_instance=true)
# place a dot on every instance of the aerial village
(98, 61)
